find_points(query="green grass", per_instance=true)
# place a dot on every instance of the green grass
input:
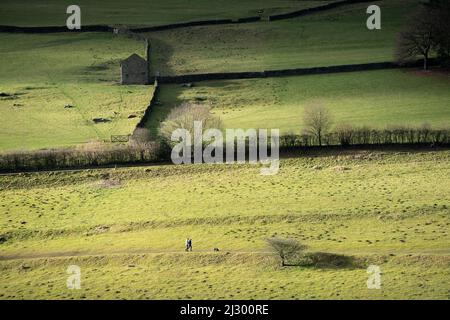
(387, 209)
(220, 276)
(373, 98)
(141, 12)
(334, 37)
(43, 73)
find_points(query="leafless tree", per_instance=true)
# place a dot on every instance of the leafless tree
(141, 137)
(344, 132)
(183, 117)
(286, 248)
(418, 38)
(142, 144)
(440, 12)
(317, 121)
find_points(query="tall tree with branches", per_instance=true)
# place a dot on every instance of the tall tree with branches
(418, 38)
(440, 12)
(317, 121)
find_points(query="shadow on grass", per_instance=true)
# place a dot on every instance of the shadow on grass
(167, 99)
(325, 260)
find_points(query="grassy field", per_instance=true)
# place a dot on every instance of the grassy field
(391, 210)
(40, 74)
(334, 37)
(142, 12)
(125, 227)
(373, 98)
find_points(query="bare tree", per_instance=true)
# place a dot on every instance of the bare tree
(344, 133)
(141, 137)
(418, 38)
(440, 12)
(317, 121)
(183, 117)
(142, 143)
(285, 248)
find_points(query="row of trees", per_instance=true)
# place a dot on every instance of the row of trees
(318, 131)
(318, 121)
(91, 154)
(346, 135)
(427, 33)
(153, 152)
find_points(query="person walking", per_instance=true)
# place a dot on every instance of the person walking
(190, 244)
(186, 245)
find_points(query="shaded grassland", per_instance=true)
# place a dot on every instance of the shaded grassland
(41, 74)
(386, 209)
(334, 37)
(373, 98)
(142, 12)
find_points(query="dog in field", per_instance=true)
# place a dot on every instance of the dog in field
(216, 249)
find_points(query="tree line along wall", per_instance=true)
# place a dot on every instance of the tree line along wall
(365, 136)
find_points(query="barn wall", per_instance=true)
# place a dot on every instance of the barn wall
(134, 73)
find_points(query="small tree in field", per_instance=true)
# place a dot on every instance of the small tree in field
(440, 11)
(183, 117)
(417, 38)
(317, 121)
(285, 248)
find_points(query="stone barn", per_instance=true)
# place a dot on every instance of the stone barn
(133, 70)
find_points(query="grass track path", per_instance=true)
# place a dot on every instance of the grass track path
(70, 254)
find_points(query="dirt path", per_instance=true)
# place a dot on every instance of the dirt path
(84, 254)
(70, 254)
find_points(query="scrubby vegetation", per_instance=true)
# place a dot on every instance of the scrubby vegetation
(88, 155)
(184, 117)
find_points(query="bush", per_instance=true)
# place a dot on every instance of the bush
(90, 154)
(329, 260)
(286, 249)
(184, 116)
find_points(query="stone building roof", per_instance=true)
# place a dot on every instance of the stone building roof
(133, 58)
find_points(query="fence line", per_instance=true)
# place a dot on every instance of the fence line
(153, 101)
(290, 72)
(307, 11)
(55, 29)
